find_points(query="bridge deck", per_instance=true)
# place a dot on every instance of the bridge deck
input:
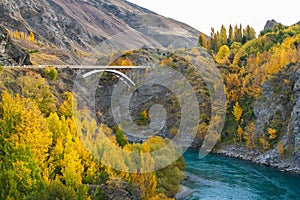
(80, 67)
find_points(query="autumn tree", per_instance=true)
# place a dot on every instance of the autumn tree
(222, 55)
(238, 33)
(240, 133)
(249, 136)
(280, 149)
(202, 40)
(20, 171)
(265, 144)
(68, 105)
(237, 112)
(72, 168)
(170, 177)
(230, 36)
(144, 117)
(35, 87)
(272, 133)
(249, 33)
(31, 37)
(212, 41)
(223, 35)
(51, 72)
(147, 179)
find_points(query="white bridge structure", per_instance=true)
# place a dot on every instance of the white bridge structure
(89, 70)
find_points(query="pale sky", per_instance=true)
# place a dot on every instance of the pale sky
(203, 15)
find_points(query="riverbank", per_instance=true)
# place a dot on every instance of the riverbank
(270, 158)
(183, 192)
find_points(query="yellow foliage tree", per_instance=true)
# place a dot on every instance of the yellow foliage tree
(272, 133)
(237, 112)
(249, 136)
(31, 37)
(147, 179)
(240, 133)
(202, 41)
(280, 149)
(35, 87)
(28, 126)
(126, 62)
(222, 55)
(265, 144)
(68, 106)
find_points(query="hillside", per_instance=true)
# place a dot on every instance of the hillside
(56, 141)
(11, 54)
(261, 75)
(69, 31)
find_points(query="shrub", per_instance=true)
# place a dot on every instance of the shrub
(51, 72)
(280, 149)
(264, 143)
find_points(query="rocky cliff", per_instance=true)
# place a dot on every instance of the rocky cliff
(278, 107)
(10, 54)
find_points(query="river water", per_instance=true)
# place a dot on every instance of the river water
(217, 177)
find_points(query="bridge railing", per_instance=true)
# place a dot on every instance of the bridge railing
(78, 66)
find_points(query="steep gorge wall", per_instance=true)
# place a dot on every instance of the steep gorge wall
(278, 107)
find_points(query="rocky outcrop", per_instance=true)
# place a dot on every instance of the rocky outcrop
(10, 54)
(270, 24)
(117, 190)
(277, 107)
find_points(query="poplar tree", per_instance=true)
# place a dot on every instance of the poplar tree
(230, 36)
(223, 35)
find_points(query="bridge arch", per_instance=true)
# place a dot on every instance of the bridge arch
(121, 75)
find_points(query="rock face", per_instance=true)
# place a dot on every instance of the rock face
(278, 107)
(10, 54)
(295, 119)
(118, 190)
(270, 24)
(84, 25)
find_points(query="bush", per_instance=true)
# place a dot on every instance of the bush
(56, 190)
(280, 149)
(51, 72)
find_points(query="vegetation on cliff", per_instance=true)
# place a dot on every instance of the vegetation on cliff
(247, 64)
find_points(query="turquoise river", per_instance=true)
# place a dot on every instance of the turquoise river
(218, 177)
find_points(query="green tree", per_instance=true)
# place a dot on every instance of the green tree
(230, 36)
(35, 87)
(55, 190)
(217, 40)
(238, 33)
(249, 33)
(121, 138)
(51, 72)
